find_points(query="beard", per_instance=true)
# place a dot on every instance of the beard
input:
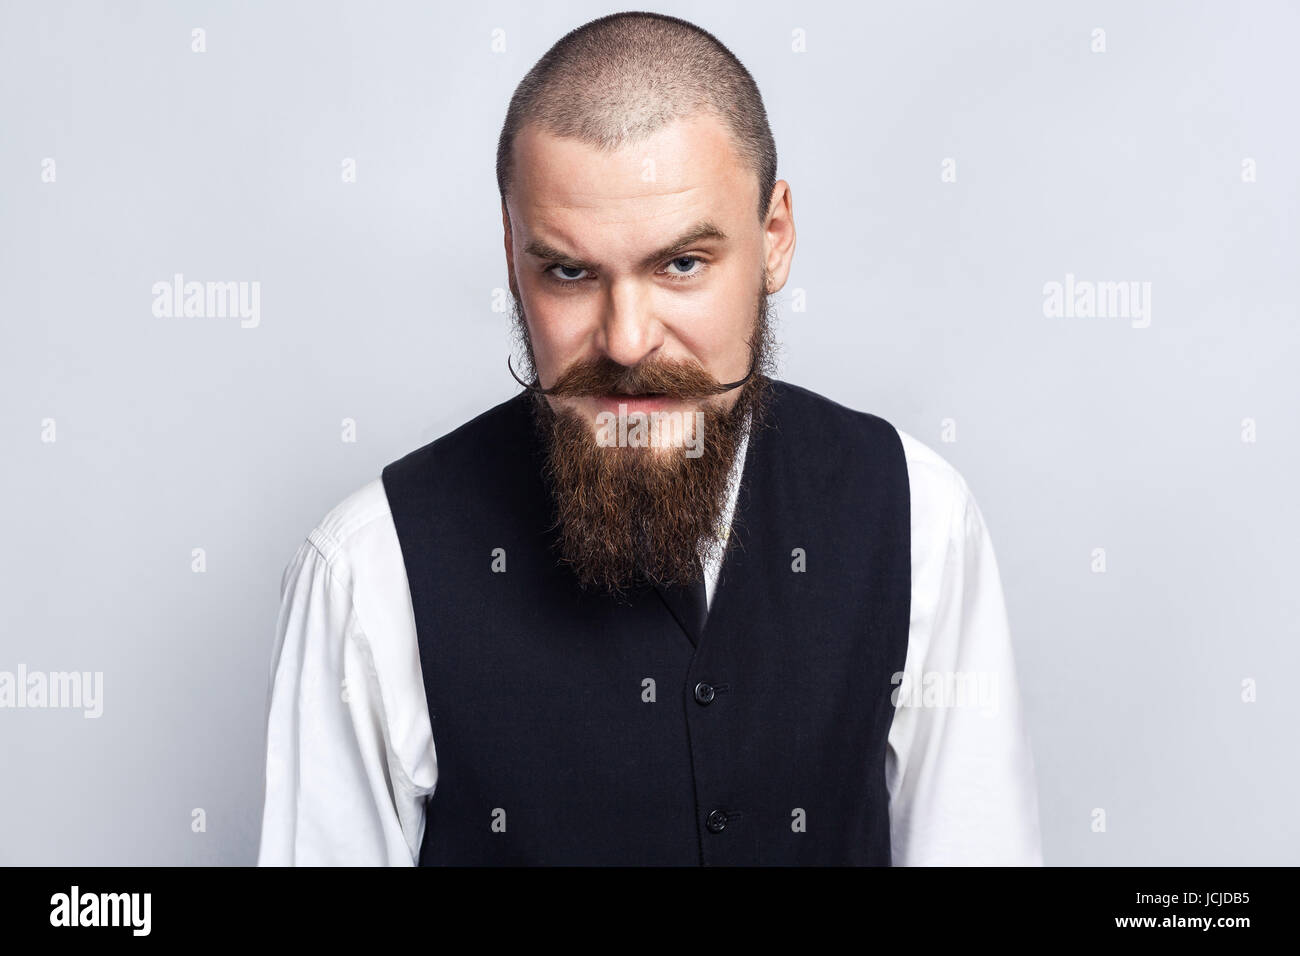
(627, 516)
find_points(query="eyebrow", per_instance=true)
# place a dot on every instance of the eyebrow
(700, 232)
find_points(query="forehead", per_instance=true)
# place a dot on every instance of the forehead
(687, 170)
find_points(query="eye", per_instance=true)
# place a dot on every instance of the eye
(685, 264)
(566, 274)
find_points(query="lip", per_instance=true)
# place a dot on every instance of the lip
(632, 403)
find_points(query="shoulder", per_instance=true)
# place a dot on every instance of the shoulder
(936, 482)
(356, 550)
(937, 487)
(943, 510)
(358, 535)
(947, 525)
(355, 533)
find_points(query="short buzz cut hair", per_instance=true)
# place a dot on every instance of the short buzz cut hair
(622, 77)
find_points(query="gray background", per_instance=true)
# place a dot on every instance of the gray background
(924, 302)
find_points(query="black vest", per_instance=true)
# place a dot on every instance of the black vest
(576, 729)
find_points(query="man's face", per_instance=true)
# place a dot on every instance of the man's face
(651, 255)
(642, 280)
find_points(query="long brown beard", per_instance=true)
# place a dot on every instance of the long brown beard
(626, 517)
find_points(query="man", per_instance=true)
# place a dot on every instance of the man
(659, 608)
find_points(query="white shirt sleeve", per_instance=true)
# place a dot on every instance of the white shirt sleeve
(335, 794)
(959, 768)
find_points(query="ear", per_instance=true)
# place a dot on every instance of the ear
(778, 236)
(505, 226)
(510, 250)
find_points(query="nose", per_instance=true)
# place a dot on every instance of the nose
(629, 332)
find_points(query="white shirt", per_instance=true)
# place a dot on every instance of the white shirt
(351, 756)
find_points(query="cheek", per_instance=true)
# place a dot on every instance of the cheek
(714, 322)
(560, 328)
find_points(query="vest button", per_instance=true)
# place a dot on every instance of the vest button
(704, 693)
(717, 821)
